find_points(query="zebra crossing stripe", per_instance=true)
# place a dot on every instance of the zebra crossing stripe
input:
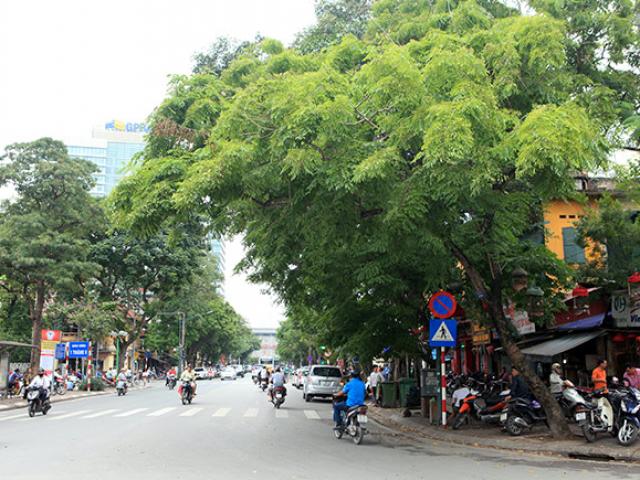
(12, 417)
(131, 412)
(69, 415)
(311, 415)
(160, 412)
(101, 414)
(221, 412)
(252, 412)
(191, 412)
(282, 414)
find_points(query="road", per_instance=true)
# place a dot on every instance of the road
(231, 431)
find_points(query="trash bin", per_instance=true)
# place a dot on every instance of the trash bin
(389, 394)
(404, 386)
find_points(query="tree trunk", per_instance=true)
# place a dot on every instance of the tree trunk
(555, 418)
(35, 312)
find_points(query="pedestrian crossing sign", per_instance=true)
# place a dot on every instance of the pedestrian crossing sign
(442, 333)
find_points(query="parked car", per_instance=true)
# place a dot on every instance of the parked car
(297, 378)
(228, 373)
(211, 373)
(239, 370)
(201, 373)
(321, 381)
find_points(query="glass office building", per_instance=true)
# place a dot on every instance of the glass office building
(111, 160)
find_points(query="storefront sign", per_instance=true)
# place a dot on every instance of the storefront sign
(480, 335)
(625, 309)
(49, 340)
(120, 126)
(519, 319)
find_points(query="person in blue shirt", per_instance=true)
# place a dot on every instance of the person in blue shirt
(355, 390)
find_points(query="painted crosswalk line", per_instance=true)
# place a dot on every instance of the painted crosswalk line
(311, 415)
(131, 412)
(69, 415)
(11, 417)
(161, 412)
(252, 412)
(221, 412)
(102, 413)
(191, 412)
(282, 414)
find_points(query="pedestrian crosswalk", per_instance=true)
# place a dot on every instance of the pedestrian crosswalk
(191, 411)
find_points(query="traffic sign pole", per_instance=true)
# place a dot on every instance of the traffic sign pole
(443, 387)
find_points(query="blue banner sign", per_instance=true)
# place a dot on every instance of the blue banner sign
(61, 351)
(78, 349)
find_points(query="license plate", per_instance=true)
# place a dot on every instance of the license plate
(581, 416)
(503, 417)
(278, 395)
(362, 419)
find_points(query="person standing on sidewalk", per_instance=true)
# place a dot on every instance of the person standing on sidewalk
(374, 379)
(632, 376)
(599, 376)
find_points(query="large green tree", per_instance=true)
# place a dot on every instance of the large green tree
(44, 231)
(372, 173)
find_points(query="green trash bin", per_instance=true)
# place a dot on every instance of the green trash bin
(404, 386)
(389, 394)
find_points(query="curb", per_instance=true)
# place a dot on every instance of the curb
(60, 398)
(582, 453)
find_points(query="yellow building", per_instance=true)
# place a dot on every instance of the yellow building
(561, 235)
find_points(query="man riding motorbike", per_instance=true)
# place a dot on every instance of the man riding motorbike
(189, 376)
(277, 381)
(42, 383)
(355, 391)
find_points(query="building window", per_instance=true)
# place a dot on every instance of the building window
(573, 253)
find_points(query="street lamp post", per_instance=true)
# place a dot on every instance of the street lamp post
(182, 331)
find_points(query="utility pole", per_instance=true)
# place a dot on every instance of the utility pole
(182, 332)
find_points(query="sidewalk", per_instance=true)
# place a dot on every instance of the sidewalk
(17, 402)
(538, 441)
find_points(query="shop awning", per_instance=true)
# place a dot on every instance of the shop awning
(583, 323)
(545, 351)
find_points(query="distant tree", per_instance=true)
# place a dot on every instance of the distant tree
(220, 54)
(44, 232)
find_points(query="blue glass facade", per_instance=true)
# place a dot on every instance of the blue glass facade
(110, 160)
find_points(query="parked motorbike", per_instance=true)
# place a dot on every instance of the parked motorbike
(121, 387)
(599, 416)
(59, 386)
(277, 396)
(629, 419)
(186, 393)
(353, 424)
(572, 403)
(36, 403)
(486, 407)
(521, 414)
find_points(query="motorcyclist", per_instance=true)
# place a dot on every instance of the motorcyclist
(122, 377)
(519, 388)
(42, 383)
(171, 374)
(189, 376)
(556, 383)
(355, 391)
(277, 380)
(263, 375)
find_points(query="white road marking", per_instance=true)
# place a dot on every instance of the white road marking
(160, 412)
(131, 412)
(311, 415)
(191, 412)
(69, 415)
(282, 414)
(221, 412)
(103, 413)
(11, 417)
(252, 412)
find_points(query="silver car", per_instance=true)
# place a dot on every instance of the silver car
(321, 381)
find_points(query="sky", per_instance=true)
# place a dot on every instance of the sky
(69, 65)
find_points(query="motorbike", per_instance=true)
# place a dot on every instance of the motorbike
(186, 393)
(121, 387)
(264, 384)
(572, 403)
(171, 382)
(59, 386)
(36, 403)
(353, 424)
(599, 417)
(629, 419)
(277, 396)
(521, 414)
(486, 407)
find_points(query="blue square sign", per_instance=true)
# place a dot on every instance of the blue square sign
(442, 333)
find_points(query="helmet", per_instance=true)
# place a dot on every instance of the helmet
(41, 371)
(355, 373)
(555, 366)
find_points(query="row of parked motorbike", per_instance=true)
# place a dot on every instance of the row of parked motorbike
(616, 412)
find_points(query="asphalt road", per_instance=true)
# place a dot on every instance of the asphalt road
(231, 431)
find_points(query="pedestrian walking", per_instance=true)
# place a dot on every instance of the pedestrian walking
(374, 379)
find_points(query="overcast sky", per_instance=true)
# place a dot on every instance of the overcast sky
(69, 65)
